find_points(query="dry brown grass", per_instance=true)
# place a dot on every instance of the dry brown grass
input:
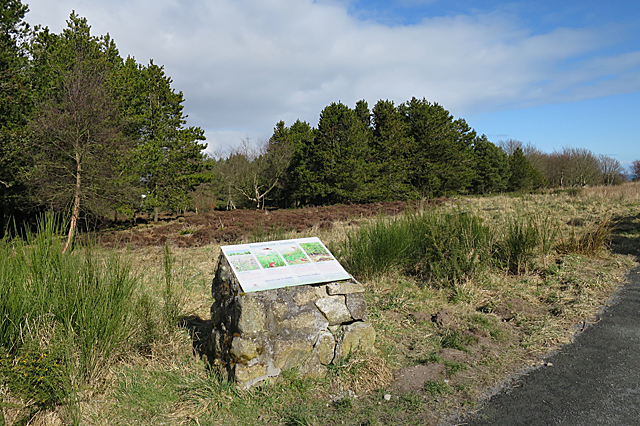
(362, 374)
(562, 291)
(503, 323)
(627, 192)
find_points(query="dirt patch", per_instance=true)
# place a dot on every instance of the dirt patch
(453, 355)
(412, 379)
(232, 226)
(513, 307)
(422, 317)
(443, 318)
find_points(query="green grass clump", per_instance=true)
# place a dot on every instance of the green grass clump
(436, 387)
(442, 248)
(64, 315)
(455, 339)
(377, 247)
(489, 324)
(517, 249)
(589, 242)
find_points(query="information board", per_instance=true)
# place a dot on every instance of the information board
(285, 263)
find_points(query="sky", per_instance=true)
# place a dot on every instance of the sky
(552, 73)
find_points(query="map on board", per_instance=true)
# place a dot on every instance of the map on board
(285, 263)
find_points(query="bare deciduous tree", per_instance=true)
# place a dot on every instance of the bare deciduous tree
(635, 170)
(509, 146)
(254, 170)
(572, 167)
(583, 168)
(611, 169)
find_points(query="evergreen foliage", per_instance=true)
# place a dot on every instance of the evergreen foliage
(15, 106)
(75, 137)
(393, 152)
(338, 157)
(491, 166)
(135, 151)
(523, 176)
(297, 178)
(390, 146)
(85, 130)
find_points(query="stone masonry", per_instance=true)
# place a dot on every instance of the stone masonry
(258, 335)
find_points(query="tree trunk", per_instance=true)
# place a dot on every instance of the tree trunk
(156, 209)
(76, 204)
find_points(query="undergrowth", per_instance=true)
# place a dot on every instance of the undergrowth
(442, 248)
(447, 248)
(94, 339)
(66, 317)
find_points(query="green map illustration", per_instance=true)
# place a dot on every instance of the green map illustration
(269, 258)
(316, 251)
(293, 255)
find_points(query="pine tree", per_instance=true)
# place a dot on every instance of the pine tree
(492, 167)
(167, 159)
(390, 148)
(441, 155)
(524, 176)
(76, 138)
(335, 168)
(15, 107)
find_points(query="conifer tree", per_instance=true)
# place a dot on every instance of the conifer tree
(76, 139)
(523, 176)
(492, 167)
(15, 107)
(390, 148)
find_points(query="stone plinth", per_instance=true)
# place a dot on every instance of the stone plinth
(258, 335)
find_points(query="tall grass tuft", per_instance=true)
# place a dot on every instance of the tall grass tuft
(442, 248)
(589, 242)
(517, 249)
(77, 304)
(377, 247)
(172, 301)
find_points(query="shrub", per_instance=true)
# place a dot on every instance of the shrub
(442, 248)
(517, 250)
(82, 299)
(377, 247)
(448, 247)
(37, 374)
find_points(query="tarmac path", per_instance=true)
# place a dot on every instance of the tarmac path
(593, 381)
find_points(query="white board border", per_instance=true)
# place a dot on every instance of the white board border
(285, 263)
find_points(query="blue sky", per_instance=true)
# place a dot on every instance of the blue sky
(551, 73)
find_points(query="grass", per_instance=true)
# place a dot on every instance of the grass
(66, 316)
(437, 387)
(438, 247)
(589, 241)
(514, 275)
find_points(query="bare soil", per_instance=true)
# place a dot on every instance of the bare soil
(231, 226)
(594, 380)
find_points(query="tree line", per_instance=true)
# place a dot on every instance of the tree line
(88, 132)
(413, 150)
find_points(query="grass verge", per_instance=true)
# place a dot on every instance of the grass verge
(445, 336)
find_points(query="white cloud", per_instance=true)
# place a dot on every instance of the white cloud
(220, 141)
(246, 64)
